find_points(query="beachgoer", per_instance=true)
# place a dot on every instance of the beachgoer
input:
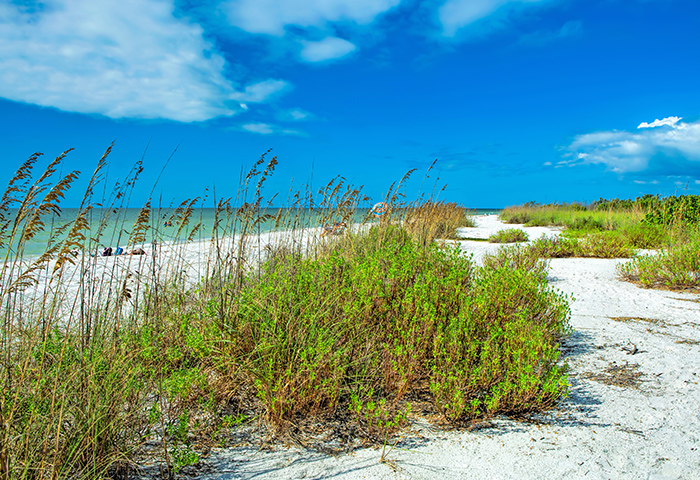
(107, 252)
(138, 251)
(119, 251)
(339, 228)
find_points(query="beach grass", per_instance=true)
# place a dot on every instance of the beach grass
(112, 362)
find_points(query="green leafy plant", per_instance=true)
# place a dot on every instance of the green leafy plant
(510, 235)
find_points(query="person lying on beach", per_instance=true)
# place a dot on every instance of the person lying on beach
(138, 251)
(337, 229)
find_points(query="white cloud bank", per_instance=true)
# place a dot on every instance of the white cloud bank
(272, 16)
(629, 152)
(121, 59)
(329, 48)
(456, 14)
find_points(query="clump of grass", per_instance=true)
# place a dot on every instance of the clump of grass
(430, 220)
(469, 221)
(599, 245)
(510, 235)
(676, 267)
(641, 235)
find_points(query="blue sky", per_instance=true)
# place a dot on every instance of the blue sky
(518, 100)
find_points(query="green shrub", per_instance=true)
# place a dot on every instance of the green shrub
(597, 245)
(510, 235)
(556, 247)
(643, 235)
(361, 328)
(675, 210)
(587, 224)
(517, 257)
(500, 356)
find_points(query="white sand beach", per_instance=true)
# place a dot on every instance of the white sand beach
(601, 431)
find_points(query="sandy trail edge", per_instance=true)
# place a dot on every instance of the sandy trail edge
(600, 431)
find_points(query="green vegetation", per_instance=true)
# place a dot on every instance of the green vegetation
(510, 235)
(676, 267)
(432, 220)
(597, 245)
(615, 228)
(572, 216)
(101, 369)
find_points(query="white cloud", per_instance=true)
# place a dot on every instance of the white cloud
(272, 16)
(624, 151)
(327, 49)
(456, 14)
(261, 128)
(295, 115)
(670, 121)
(121, 59)
(268, 129)
(259, 92)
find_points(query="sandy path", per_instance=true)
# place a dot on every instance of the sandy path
(601, 431)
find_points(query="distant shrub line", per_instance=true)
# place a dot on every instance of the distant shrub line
(616, 228)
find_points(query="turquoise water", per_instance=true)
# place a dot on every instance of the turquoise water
(113, 228)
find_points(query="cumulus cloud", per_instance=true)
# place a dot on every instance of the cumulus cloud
(327, 49)
(670, 121)
(456, 14)
(671, 145)
(121, 59)
(272, 16)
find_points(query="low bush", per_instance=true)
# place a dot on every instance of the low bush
(315, 337)
(517, 257)
(676, 267)
(510, 235)
(597, 245)
(643, 235)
